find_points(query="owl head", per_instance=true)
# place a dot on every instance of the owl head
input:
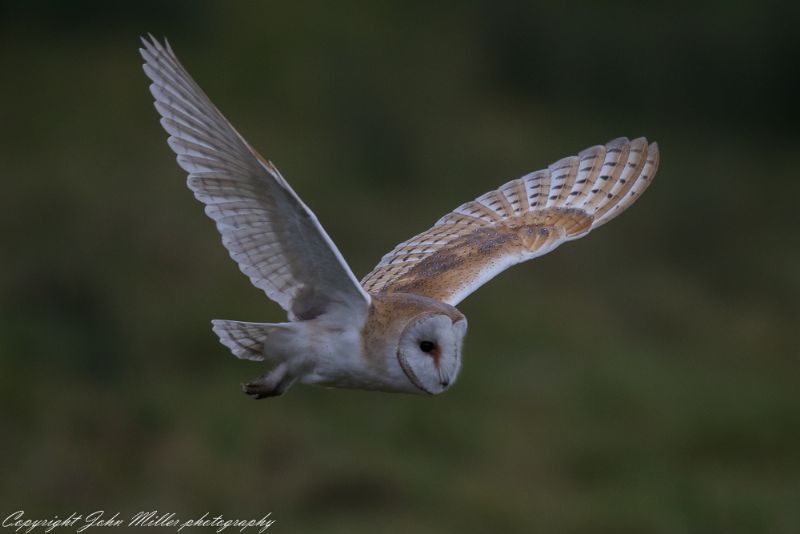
(429, 351)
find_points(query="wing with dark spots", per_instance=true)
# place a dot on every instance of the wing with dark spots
(523, 219)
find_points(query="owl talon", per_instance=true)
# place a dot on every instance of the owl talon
(271, 384)
(253, 390)
(260, 390)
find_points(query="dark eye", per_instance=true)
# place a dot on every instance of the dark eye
(426, 346)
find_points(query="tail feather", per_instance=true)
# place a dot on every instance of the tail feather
(246, 340)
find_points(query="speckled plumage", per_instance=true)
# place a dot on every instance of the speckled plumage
(398, 329)
(522, 219)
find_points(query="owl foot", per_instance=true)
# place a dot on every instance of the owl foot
(271, 384)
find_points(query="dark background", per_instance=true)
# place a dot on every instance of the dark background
(644, 379)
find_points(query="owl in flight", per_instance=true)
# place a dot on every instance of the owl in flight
(398, 329)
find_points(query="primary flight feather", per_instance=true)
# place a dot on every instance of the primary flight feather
(398, 329)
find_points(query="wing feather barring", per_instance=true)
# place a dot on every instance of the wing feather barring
(398, 329)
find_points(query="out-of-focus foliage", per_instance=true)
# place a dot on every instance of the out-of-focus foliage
(645, 379)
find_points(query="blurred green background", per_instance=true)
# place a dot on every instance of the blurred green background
(644, 379)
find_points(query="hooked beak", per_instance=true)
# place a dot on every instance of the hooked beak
(444, 380)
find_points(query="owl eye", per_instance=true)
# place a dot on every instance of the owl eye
(426, 346)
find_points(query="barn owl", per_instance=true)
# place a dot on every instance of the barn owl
(398, 329)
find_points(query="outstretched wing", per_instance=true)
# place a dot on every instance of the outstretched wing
(272, 235)
(521, 220)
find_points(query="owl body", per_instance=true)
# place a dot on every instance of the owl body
(396, 330)
(327, 351)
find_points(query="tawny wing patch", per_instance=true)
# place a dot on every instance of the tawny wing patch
(272, 235)
(521, 220)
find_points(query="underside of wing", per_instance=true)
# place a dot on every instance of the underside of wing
(272, 235)
(523, 219)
